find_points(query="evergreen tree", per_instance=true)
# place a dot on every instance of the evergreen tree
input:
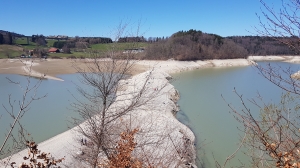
(1, 39)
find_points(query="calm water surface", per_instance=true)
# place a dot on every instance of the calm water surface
(202, 107)
(207, 114)
(47, 117)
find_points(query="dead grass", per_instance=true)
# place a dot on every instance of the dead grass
(4, 47)
(10, 50)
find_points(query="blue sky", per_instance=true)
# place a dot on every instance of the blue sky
(157, 18)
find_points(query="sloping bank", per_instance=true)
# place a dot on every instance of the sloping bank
(175, 147)
(169, 142)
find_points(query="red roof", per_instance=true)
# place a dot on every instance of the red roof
(53, 50)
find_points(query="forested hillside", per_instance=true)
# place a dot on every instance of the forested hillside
(196, 45)
(257, 45)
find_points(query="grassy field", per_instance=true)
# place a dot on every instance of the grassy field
(50, 42)
(23, 42)
(17, 50)
(12, 51)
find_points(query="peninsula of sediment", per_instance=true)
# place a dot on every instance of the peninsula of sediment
(66, 144)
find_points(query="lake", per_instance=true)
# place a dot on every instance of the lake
(201, 104)
(207, 114)
(48, 116)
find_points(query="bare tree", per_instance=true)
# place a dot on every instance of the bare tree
(114, 107)
(16, 137)
(273, 136)
(281, 24)
(66, 49)
(104, 77)
(113, 103)
(284, 78)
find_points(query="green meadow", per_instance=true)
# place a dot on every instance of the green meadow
(21, 45)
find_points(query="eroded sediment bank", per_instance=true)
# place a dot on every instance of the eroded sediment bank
(157, 113)
(162, 109)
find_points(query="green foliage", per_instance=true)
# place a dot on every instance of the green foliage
(102, 47)
(40, 40)
(218, 39)
(1, 39)
(131, 39)
(190, 32)
(50, 42)
(59, 44)
(21, 41)
(6, 38)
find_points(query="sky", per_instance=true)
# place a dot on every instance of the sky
(151, 18)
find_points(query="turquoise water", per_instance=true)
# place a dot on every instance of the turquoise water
(207, 114)
(201, 104)
(46, 117)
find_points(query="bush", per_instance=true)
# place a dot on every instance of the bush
(66, 49)
(56, 57)
(39, 52)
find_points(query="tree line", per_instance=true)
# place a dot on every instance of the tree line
(131, 39)
(263, 45)
(196, 45)
(6, 38)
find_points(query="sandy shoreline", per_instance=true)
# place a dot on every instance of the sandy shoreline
(54, 67)
(66, 143)
(51, 67)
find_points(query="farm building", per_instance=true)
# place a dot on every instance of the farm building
(53, 50)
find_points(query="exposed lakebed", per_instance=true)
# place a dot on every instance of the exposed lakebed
(201, 104)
